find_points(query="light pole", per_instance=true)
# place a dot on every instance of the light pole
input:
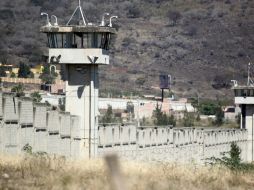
(110, 20)
(46, 14)
(103, 19)
(56, 23)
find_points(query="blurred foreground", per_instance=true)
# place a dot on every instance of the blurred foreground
(42, 172)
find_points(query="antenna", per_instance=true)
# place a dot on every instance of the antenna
(78, 8)
(249, 81)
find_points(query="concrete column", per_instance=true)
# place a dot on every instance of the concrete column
(25, 112)
(1, 105)
(251, 140)
(82, 100)
(40, 128)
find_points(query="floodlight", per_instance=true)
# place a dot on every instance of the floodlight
(46, 14)
(103, 19)
(56, 23)
(110, 20)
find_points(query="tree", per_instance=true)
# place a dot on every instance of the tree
(2, 71)
(47, 76)
(174, 16)
(19, 90)
(134, 11)
(13, 75)
(172, 120)
(36, 97)
(24, 71)
(161, 118)
(108, 117)
(3, 57)
(219, 116)
(188, 119)
(207, 108)
(231, 159)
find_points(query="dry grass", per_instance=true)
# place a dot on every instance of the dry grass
(57, 173)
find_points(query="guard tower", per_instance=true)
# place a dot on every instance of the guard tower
(244, 97)
(80, 48)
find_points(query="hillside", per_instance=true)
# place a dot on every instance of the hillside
(203, 44)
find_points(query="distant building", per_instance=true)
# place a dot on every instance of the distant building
(231, 112)
(142, 108)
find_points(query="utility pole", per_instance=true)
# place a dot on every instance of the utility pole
(138, 113)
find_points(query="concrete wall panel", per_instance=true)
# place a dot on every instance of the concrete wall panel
(65, 147)
(11, 139)
(40, 116)
(53, 121)
(40, 140)
(1, 104)
(25, 112)
(76, 131)
(65, 124)
(53, 144)
(26, 135)
(10, 108)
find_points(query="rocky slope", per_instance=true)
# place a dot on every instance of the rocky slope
(203, 44)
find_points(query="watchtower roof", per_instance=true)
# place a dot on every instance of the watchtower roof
(78, 29)
(243, 87)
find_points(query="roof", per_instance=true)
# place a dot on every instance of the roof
(242, 87)
(81, 29)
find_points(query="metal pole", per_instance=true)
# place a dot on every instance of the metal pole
(138, 113)
(90, 114)
(162, 94)
(248, 82)
(252, 138)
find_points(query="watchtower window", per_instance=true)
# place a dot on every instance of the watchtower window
(244, 92)
(251, 92)
(78, 40)
(105, 39)
(55, 40)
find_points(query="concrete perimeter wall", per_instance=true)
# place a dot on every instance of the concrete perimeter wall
(169, 144)
(26, 123)
(23, 122)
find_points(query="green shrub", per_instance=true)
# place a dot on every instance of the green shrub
(232, 160)
(188, 119)
(19, 90)
(36, 97)
(162, 119)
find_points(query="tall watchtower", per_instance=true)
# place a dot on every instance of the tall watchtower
(244, 97)
(80, 48)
